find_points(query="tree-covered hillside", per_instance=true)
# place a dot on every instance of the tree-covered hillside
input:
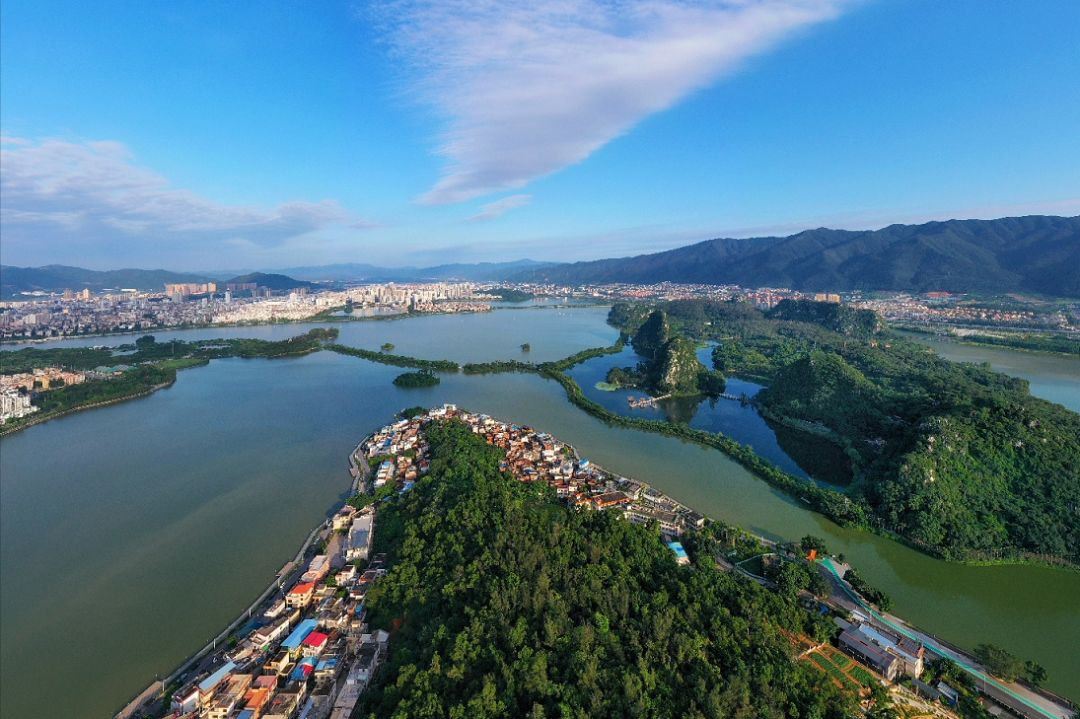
(1033, 254)
(273, 281)
(669, 364)
(504, 602)
(958, 459)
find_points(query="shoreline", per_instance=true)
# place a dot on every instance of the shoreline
(930, 336)
(358, 470)
(314, 319)
(145, 393)
(96, 405)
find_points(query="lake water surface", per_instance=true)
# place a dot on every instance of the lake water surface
(131, 534)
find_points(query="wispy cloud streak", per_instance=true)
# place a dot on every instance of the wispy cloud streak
(500, 207)
(528, 88)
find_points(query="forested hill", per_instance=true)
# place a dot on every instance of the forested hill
(1032, 254)
(960, 460)
(273, 281)
(506, 603)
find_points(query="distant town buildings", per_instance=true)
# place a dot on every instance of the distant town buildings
(190, 288)
(201, 304)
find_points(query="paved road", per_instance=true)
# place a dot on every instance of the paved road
(1015, 695)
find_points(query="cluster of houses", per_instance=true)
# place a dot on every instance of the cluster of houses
(399, 455)
(891, 655)
(310, 654)
(41, 378)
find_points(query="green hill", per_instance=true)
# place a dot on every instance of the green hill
(273, 281)
(504, 602)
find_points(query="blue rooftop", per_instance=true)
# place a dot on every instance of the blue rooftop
(299, 634)
(208, 684)
(298, 674)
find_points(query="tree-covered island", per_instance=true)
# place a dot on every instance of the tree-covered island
(420, 378)
(669, 364)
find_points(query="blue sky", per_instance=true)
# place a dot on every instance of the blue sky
(231, 135)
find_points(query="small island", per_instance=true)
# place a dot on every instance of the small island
(422, 378)
(509, 294)
(670, 366)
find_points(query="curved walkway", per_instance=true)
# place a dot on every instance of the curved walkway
(1039, 706)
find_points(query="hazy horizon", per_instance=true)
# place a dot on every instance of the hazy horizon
(392, 264)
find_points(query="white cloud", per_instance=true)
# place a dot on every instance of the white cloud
(61, 195)
(528, 88)
(499, 207)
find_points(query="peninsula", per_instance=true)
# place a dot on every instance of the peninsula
(381, 596)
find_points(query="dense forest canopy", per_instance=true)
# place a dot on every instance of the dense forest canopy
(506, 602)
(958, 459)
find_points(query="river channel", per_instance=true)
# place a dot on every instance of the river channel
(130, 535)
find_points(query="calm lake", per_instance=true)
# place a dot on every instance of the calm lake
(130, 535)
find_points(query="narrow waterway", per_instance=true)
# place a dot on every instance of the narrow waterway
(1055, 377)
(129, 535)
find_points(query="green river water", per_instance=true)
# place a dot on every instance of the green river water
(130, 535)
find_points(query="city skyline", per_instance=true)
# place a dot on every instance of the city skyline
(397, 134)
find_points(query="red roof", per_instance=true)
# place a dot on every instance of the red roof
(304, 588)
(315, 639)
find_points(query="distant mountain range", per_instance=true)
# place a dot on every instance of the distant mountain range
(57, 278)
(1030, 254)
(1038, 254)
(480, 271)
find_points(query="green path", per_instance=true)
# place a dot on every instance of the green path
(931, 645)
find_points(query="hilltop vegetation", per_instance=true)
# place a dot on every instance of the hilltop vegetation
(505, 602)
(669, 366)
(422, 378)
(958, 459)
(271, 280)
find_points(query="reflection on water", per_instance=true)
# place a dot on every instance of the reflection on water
(734, 418)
